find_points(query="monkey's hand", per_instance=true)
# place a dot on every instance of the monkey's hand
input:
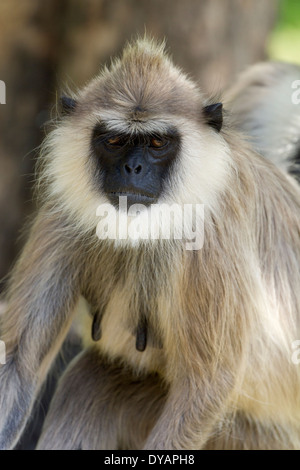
(41, 297)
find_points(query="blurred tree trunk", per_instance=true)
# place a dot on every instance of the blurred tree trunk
(210, 39)
(27, 64)
(50, 42)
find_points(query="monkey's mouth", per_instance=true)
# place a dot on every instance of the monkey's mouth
(132, 198)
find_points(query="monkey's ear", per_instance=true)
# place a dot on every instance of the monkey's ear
(67, 104)
(213, 115)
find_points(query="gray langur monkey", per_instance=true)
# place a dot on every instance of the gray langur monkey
(265, 103)
(184, 348)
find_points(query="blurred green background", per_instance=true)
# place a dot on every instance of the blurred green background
(284, 41)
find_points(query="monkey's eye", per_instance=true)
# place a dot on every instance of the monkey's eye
(116, 141)
(158, 142)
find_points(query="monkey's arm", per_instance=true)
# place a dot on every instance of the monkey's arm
(191, 413)
(204, 372)
(41, 297)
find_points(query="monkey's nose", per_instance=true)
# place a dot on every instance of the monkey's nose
(133, 169)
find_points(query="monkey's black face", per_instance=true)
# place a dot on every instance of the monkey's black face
(135, 166)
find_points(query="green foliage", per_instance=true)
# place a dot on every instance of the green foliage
(289, 14)
(284, 42)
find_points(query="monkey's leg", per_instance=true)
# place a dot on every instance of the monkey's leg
(243, 433)
(42, 294)
(102, 406)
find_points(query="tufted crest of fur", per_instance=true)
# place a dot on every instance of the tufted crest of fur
(144, 83)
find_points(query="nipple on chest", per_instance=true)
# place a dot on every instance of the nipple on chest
(141, 331)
